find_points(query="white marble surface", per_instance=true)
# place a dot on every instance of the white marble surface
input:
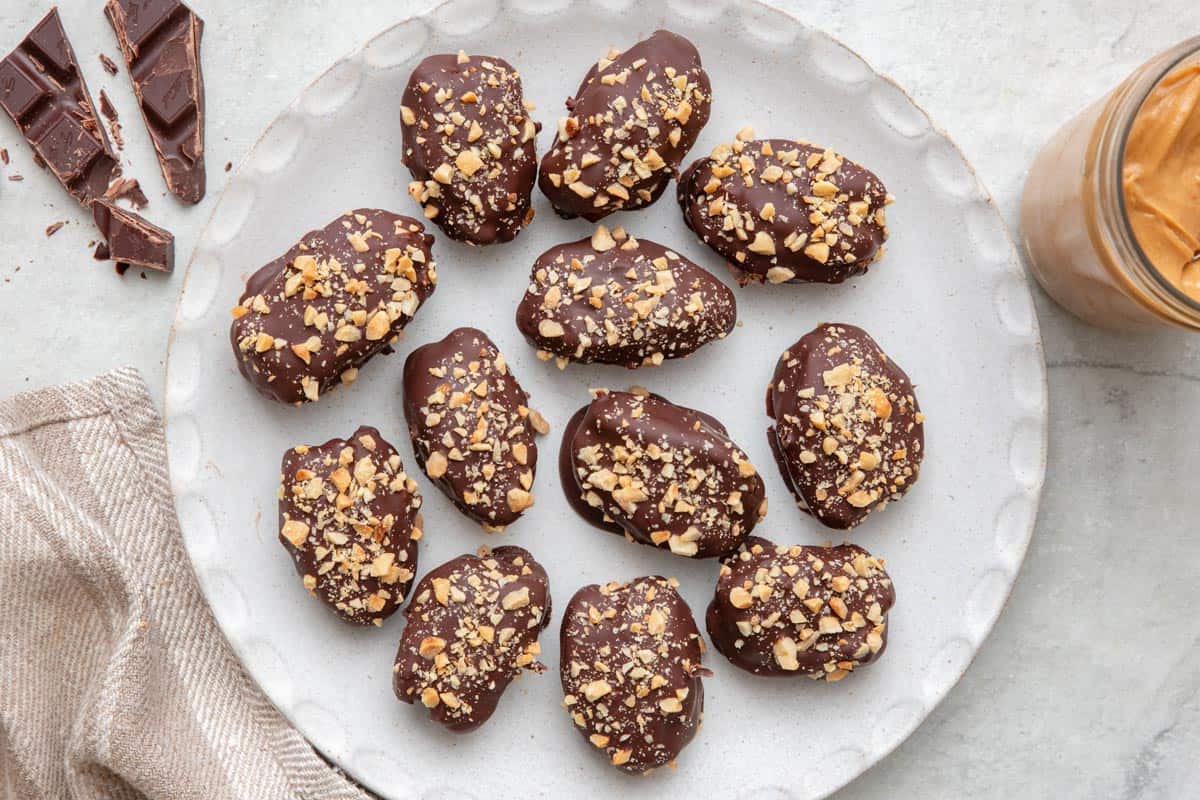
(1087, 687)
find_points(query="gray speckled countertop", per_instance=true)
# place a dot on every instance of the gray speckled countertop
(1088, 687)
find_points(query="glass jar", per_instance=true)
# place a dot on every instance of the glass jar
(1074, 226)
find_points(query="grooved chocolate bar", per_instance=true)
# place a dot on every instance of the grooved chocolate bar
(160, 40)
(131, 240)
(43, 91)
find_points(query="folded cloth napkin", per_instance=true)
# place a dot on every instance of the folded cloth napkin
(114, 680)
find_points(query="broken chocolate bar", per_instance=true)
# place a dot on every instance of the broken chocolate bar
(131, 240)
(160, 40)
(43, 91)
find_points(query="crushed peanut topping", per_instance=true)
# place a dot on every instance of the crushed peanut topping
(471, 426)
(472, 627)
(667, 475)
(308, 320)
(815, 611)
(348, 517)
(469, 142)
(631, 671)
(848, 427)
(614, 299)
(633, 119)
(786, 211)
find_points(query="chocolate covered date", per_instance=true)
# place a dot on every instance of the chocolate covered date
(472, 627)
(631, 671)
(799, 610)
(469, 143)
(309, 319)
(631, 122)
(614, 299)
(348, 517)
(785, 211)
(471, 426)
(849, 435)
(662, 474)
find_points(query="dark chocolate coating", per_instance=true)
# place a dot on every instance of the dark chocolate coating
(631, 671)
(471, 426)
(160, 40)
(614, 299)
(309, 319)
(472, 627)
(817, 611)
(785, 211)
(348, 516)
(470, 144)
(849, 435)
(632, 121)
(669, 476)
(42, 89)
(132, 240)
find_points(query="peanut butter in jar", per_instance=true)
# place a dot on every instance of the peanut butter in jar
(1110, 214)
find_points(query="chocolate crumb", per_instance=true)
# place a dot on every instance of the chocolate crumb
(228, 166)
(15, 177)
(120, 268)
(109, 65)
(4, 155)
(106, 107)
(53, 227)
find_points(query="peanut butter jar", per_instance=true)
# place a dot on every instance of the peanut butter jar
(1110, 214)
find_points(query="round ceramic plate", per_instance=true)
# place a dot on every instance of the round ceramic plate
(949, 302)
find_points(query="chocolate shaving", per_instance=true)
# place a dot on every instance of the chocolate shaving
(106, 107)
(127, 189)
(53, 227)
(4, 155)
(109, 65)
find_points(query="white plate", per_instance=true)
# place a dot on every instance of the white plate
(949, 301)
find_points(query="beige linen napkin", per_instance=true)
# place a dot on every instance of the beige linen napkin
(114, 680)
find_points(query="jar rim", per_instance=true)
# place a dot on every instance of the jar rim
(1183, 51)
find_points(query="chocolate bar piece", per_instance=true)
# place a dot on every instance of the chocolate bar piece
(43, 91)
(132, 240)
(160, 40)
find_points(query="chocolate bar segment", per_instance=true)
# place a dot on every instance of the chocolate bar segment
(472, 627)
(794, 610)
(160, 40)
(349, 518)
(631, 671)
(42, 89)
(309, 319)
(133, 241)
